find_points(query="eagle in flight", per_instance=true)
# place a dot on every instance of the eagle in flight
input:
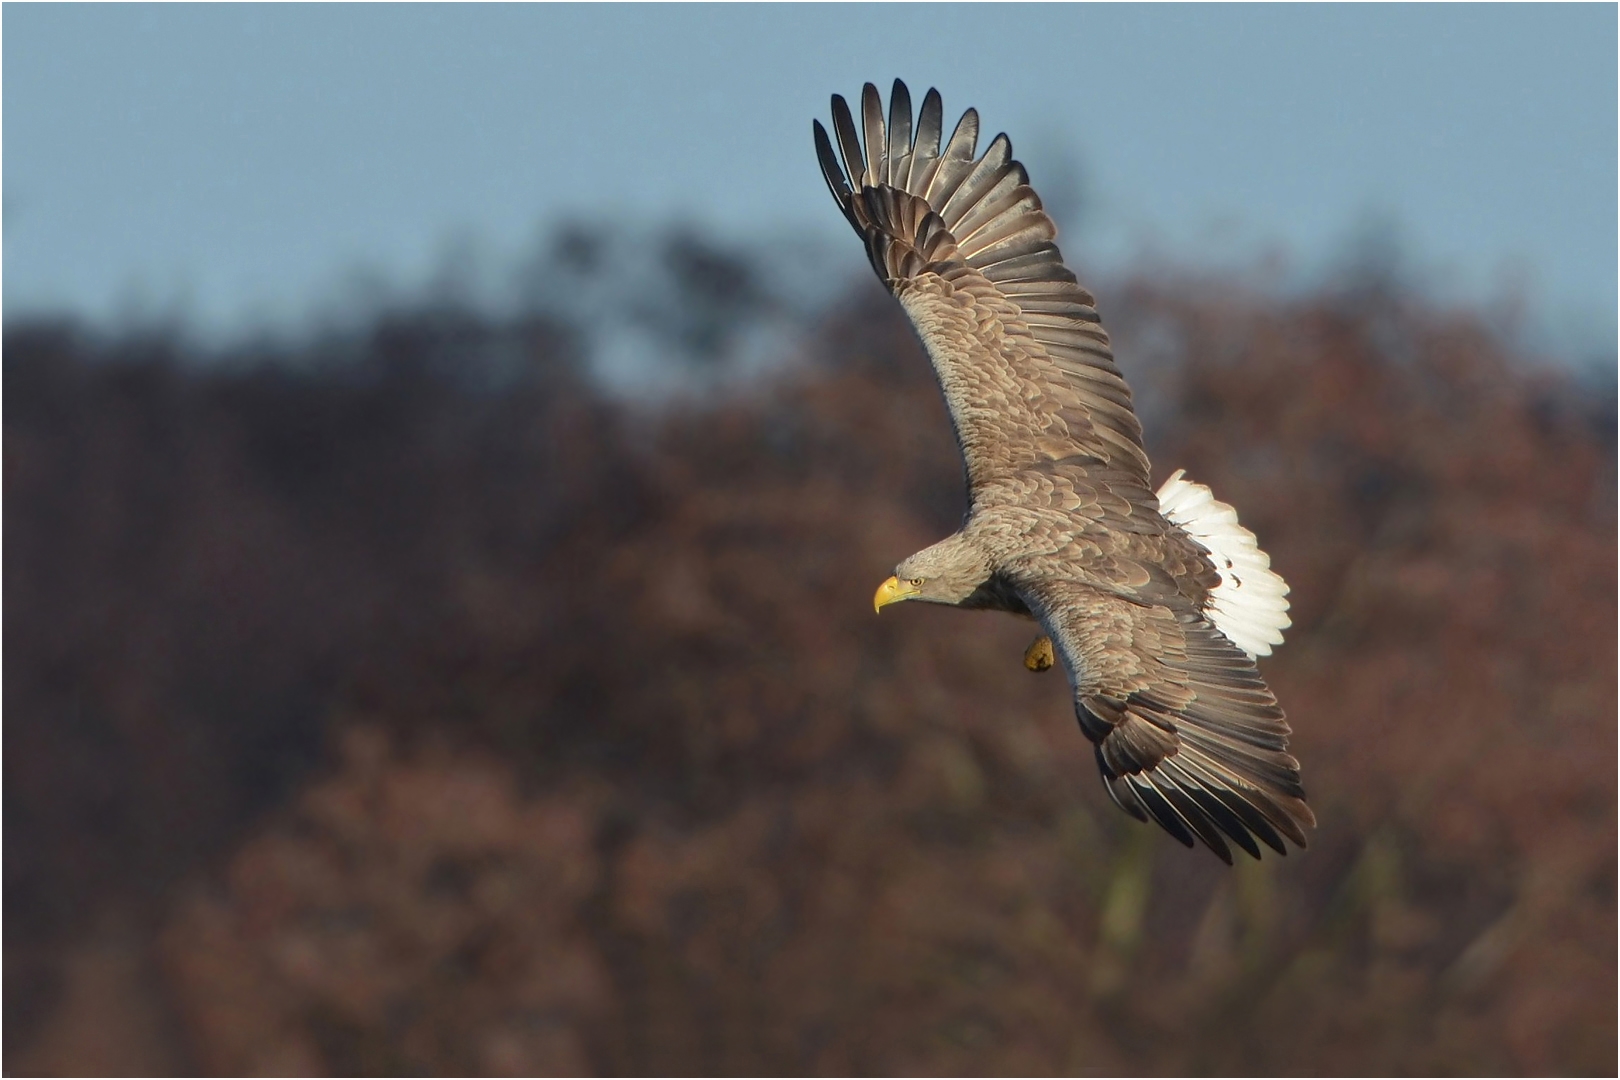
(1157, 602)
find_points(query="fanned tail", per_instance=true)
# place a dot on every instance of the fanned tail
(1250, 606)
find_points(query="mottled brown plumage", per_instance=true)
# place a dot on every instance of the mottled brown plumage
(1063, 524)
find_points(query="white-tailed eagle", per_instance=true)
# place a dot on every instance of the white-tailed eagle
(1157, 602)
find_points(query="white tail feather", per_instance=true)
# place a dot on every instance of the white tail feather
(1250, 605)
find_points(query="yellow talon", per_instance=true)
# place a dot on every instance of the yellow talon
(1039, 655)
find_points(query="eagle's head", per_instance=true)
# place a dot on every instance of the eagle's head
(947, 573)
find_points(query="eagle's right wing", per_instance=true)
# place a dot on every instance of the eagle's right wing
(964, 245)
(1186, 731)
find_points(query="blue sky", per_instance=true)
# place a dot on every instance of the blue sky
(240, 164)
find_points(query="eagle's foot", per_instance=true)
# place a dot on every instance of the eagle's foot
(1039, 656)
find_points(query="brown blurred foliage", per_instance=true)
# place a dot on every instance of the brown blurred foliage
(409, 708)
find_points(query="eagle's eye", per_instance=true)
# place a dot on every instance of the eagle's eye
(916, 582)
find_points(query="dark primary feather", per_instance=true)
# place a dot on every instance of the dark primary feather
(836, 183)
(877, 171)
(899, 147)
(925, 149)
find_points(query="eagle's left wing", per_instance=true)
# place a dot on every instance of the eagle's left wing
(1186, 731)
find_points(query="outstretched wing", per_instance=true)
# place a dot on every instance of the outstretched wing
(1186, 731)
(964, 245)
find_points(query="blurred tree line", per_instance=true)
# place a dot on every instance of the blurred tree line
(403, 703)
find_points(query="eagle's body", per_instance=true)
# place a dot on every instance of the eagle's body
(1156, 602)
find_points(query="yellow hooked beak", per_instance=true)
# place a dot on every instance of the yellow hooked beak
(893, 591)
